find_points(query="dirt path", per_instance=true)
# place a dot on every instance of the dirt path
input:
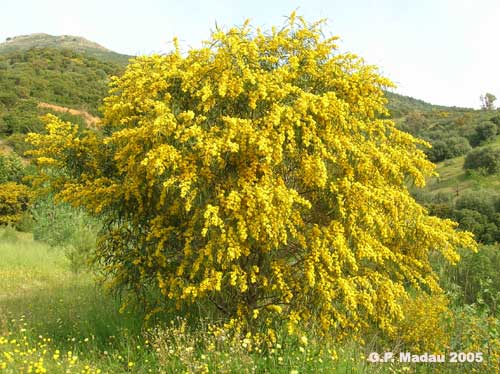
(90, 120)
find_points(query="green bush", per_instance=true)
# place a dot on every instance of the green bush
(482, 201)
(474, 272)
(448, 148)
(486, 160)
(11, 168)
(496, 121)
(484, 131)
(61, 225)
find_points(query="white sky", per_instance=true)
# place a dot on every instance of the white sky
(443, 51)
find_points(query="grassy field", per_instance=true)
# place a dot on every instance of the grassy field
(52, 318)
(454, 179)
(54, 321)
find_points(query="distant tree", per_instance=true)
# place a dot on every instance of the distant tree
(482, 201)
(486, 159)
(484, 131)
(496, 121)
(487, 101)
(448, 148)
(438, 152)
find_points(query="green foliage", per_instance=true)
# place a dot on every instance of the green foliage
(451, 131)
(18, 143)
(400, 105)
(54, 76)
(496, 121)
(60, 225)
(486, 160)
(448, 148)
(478, 276)
(11, 168)
(484, 132)
(481, 201)
(472, 220)
(477, 211)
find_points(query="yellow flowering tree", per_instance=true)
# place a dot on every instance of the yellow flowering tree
(256, 173)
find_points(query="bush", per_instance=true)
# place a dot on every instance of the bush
(426, 326)
(496, 121)
(255, 174)
(448, 148)
(477, 223)
(11, 168)
(18, 143)
(61, 225)
(474, 272)
(482, 201)
(484, 131)
(14, 200)
(485, 159)
(476, 331)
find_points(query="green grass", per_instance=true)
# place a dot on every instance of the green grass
(454, 179)
(41, 299)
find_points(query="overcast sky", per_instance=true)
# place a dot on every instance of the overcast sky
(441, 51)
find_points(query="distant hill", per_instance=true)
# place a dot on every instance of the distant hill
(41, 80)
(452, 131)
(73, 43)
(400, 105)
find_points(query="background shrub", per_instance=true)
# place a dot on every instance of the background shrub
(14, 198)
(485, 159)
(484, 132)
(63, 226)
(11, 168)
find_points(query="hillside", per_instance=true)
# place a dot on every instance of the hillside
(453, 179)
(70, 84)
(73, 43)
(401, 105)
(469, 197)
(452, 131)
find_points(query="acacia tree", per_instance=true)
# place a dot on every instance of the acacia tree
(256, 173)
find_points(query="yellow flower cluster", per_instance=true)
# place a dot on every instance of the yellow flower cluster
(256, 173)
(426, 325)
(22, 355)
(14, 198)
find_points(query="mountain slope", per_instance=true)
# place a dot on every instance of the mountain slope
(73, 43)
(56, 77)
